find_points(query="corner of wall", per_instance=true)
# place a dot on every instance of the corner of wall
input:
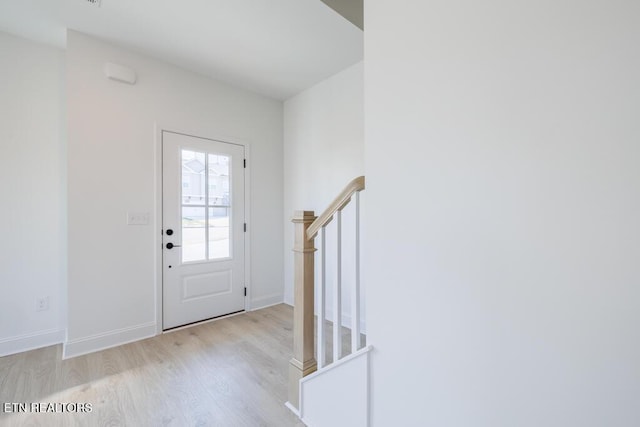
(33, 341)
(109, 339)
(266, 301)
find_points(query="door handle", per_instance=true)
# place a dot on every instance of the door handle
(171, 246)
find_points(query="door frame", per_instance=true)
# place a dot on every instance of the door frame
(205, 133)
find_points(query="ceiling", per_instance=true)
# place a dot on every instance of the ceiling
(273, 47)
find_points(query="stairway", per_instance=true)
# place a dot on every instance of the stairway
(329, 370)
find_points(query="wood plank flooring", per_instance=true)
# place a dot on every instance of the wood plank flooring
(230, 372)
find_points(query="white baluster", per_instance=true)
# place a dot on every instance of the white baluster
(355, 295)
(322, 301)
(337, 297)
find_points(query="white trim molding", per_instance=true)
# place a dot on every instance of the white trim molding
(292, 409)
(342, 361)
(109, 339)
(205, 132)
(267, 301)
(32, 341)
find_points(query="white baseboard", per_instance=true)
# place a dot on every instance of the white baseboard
(31, 341)
(114, 338)
(266, 301)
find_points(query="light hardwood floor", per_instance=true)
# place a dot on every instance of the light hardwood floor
(230, 372)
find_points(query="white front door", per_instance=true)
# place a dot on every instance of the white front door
(202, 230)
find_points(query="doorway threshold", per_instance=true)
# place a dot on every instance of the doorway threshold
(200, 322)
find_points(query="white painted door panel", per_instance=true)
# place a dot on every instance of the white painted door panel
(203, 229)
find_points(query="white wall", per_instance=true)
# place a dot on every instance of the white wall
(113, 169)
(505, 289)
(32, 165)
(323, 151)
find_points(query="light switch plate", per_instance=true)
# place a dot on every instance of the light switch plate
(138, 218)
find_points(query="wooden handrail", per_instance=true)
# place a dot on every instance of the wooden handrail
(357, 184)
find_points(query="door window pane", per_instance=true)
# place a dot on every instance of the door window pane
(193, 234)
(193, 178)
(219, 206)
(206, 206)
(219, 243)
(218, 180)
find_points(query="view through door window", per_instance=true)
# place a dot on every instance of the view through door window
(206, 206)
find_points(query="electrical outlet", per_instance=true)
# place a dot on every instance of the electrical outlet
(42, 304)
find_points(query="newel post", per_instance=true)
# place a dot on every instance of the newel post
(303, 362)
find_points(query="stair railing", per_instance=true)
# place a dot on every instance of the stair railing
(307, 227)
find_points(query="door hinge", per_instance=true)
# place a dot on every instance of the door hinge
(245, 291)
(245, 163)
(245, 227)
